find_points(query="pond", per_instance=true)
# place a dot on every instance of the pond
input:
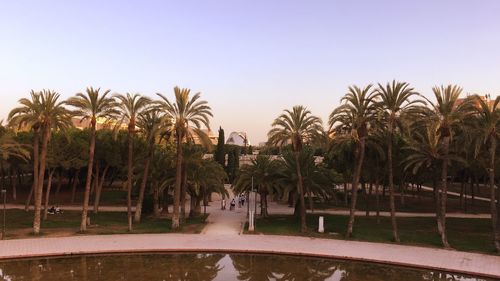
(209, 266)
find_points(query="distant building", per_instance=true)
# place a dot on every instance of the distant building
(238, 138)
(100, 124)
(486, 98)
(213, 138)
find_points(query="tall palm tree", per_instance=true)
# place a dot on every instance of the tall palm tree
(449, 112)
(488, 123)
(187, 115)
(149, 124)
(296, 127)
(90, 107)
(351, 122)
(395, 102)
(26, 117)
(47, 113)
(131, 105)
(424, 154)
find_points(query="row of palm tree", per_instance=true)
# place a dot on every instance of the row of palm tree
(45, 113)
(383, 115)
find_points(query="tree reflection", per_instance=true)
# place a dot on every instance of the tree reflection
(257, 267)
(206, 267)
(177, 267)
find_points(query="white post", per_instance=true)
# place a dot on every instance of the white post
(321, 227)
(251, 221)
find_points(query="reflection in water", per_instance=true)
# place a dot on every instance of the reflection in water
(205, 267)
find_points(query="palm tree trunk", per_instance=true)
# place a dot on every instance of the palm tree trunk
(74, 184)
(395, 235)
(444, 191)
(359, 155)
(182, 199)
(377, 201)
(88, 180)
(36, 162)
(59, 184)
(263, 205)
(98, 192)
(205, 200)
(140, 200)
(345, 194)
(47, 194)
(129, 177)
(192, 206)
(41, 177)
(462, 188)
(303, 223)
(178, 180)
(165, 201)
(437, 203)
(156, 199)
(493, 205)
(368, 196)
(310, 199)
(95, 183)
(13, 181)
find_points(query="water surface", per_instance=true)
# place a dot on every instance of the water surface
(205, 267)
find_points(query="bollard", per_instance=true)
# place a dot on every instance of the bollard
(251, 221)
(321, 227)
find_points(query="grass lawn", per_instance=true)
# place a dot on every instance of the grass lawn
(473, 235)
(19, 224)
(418, 204)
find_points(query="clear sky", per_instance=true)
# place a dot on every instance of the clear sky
(249, 59)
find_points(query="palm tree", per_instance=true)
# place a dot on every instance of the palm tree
(351, 122)
(449, 112)
(265, 175)
(131, 105)
(395, 102)
(317, 180)
(186, 115)
(296, 127)
(10, 148)
(488, 122)
(26, 117)
(92, 106)
(425, 153)
(45, 113)
(149, 124)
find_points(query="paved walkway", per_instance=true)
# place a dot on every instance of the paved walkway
(455, 261)
(222, 222)
(458, 194)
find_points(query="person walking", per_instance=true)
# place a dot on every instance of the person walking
(233, 204)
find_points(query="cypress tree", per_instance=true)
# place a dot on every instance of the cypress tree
(231, 165)
(220, 155)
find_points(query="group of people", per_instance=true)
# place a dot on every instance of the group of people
(240, 199)
(54, 210)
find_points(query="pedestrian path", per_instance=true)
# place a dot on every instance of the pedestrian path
(426, 188)
(224, 222)
(430, 258)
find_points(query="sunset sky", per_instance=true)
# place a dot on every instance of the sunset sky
(249, 59)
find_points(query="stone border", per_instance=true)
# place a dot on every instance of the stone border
(388, 254)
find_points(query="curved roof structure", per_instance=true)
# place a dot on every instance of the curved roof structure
(238, 138)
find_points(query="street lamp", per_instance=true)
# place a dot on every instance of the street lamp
(248, 201)
(4, 193)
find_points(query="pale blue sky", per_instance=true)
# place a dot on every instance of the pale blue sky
(250, 59)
